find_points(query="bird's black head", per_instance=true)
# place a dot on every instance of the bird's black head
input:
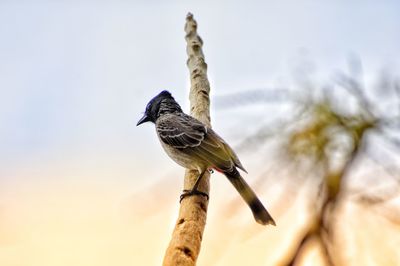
(160, 104)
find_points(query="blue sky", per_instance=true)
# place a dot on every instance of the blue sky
(75, 77)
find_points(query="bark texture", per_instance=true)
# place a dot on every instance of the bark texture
(184, 247)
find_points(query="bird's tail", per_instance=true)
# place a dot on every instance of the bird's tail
(261, 215)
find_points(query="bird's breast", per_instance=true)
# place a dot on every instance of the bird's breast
(182, 158)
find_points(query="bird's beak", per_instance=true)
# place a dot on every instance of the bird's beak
(142, 120)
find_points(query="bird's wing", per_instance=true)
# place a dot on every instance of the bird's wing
(180, 131)
(192, 137)
(228, 152)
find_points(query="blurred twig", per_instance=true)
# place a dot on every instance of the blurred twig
(251, 97)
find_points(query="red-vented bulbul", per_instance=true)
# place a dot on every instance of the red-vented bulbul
(195, 146)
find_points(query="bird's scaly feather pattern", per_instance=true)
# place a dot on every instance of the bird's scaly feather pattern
(190, 136)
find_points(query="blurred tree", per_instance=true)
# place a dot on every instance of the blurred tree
(336, 125)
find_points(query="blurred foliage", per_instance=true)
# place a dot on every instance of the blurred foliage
(328, 128)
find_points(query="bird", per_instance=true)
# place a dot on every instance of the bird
(195, 146)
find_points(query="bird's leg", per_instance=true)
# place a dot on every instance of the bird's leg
(194, 190)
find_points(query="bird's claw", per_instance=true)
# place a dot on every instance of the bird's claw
(192, 192)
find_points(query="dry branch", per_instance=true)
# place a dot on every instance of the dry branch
(186, 239)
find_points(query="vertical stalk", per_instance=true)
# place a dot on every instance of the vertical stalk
(184, 247)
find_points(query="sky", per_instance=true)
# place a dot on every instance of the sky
(76, 76)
